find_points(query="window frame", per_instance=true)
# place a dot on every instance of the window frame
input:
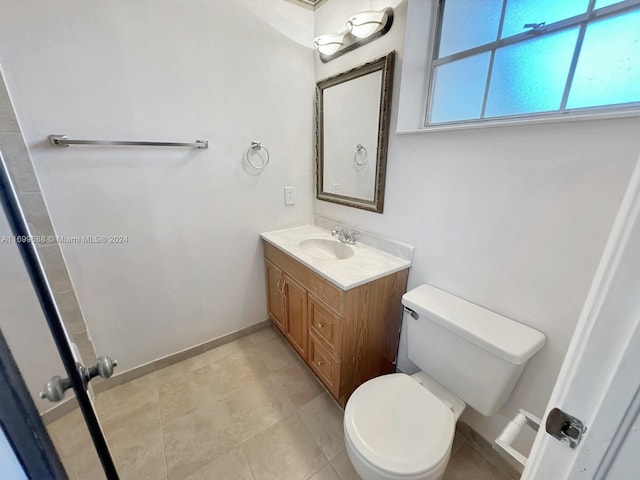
(580, 21)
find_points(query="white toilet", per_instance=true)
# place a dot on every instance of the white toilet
(401, 427)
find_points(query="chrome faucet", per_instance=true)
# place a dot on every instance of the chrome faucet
(346, 236)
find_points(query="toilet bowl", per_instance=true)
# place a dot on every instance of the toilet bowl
(411, 440)
(401, 427)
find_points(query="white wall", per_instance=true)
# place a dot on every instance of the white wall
(229, 72)
(511, 218)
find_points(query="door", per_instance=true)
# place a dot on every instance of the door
(296, 311)
(599, 382)
(275, 291)
(36, 353)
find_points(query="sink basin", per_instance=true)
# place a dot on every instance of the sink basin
(323, 248)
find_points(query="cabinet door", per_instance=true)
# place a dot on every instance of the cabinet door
(296, 308)
(275, 295)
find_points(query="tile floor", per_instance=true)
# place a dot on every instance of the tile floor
(248, 409)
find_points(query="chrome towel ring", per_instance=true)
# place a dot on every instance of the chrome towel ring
(359, 149)
(253, 150)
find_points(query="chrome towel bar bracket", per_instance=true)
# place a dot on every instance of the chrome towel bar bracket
(64, 141)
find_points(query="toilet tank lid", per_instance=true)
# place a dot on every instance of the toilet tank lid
(502, 336)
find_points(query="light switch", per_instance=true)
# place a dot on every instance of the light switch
(289, 195)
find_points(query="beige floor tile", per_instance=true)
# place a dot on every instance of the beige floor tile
(240, 345)
(257, 407)
(239, 370)
(276, 353)
(284, 451)
(142, 460)
(74, 443)
(83, 461)
(467, 464)
(325, 473)
(231, 466)
(323, 418)
(342, 465)
(195, 439)
(198, 388)
(137, 393)
(131, 423)
(268, 333)
(86, 464)
(178, 372)
(228, 413)
(298, 383)
(70, 431)
(63, 457)
(133, 427)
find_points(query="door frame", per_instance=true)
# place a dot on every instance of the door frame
(598, 381)
(22, 424)
(19, 228)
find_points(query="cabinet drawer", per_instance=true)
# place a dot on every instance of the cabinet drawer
(326, 325)
(324, 366)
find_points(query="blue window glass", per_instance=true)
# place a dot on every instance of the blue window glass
(605, 3)
(545, 72)
(458, 89)
(521, 12)
(608, 70)
(468, 23)
(531, 76)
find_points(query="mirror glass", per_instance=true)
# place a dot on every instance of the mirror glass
(352, 129)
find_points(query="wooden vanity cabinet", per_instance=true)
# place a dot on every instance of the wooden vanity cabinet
(275, 300)
(345, 336)
(287, 303)
(296, 315)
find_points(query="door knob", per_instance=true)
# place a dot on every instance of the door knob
(56, 388)
(104, 368)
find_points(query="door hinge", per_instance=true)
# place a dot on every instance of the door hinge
(565, 428)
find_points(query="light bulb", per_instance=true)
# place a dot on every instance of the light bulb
(328, 44)
(364, 24)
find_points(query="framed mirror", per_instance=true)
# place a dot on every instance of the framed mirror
(352, 133)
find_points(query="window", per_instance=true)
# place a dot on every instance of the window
(498, 59)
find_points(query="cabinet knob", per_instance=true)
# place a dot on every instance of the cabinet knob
(320, 362)
(320, 325)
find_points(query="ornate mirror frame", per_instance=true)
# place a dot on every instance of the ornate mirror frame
(386, 65)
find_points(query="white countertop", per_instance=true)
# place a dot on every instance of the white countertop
(366, 264)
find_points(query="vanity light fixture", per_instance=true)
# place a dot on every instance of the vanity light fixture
(362, 28)
(364, 24)
(328, 44)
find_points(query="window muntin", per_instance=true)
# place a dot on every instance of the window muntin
(589, 59)
(530, 76)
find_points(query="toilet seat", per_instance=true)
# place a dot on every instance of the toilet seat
(398, 426)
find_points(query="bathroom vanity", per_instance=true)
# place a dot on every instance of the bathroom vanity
(338, 306)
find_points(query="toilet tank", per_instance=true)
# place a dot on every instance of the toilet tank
(474, 352)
